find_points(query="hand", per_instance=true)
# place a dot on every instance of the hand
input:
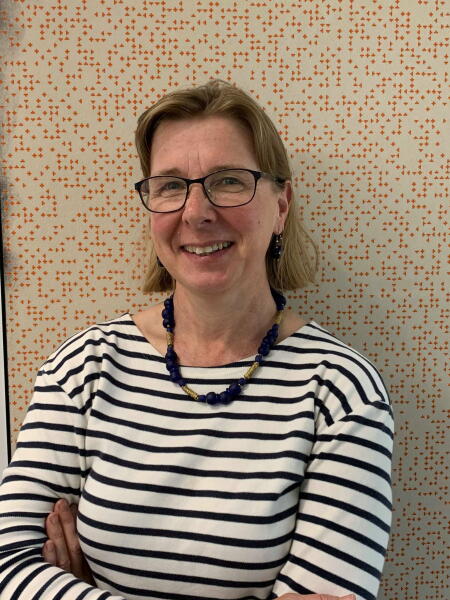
(292, 596)
(62, 549)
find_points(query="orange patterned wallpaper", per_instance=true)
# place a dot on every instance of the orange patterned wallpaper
(359, 91)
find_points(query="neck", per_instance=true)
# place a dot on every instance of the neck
(216, 329)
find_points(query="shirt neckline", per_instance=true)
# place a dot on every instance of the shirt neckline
(248, 359)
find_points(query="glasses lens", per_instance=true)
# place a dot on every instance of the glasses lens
(231, 187)
(163, 193)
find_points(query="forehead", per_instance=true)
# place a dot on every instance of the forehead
(178, 143)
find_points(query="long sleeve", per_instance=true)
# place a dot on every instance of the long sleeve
(344, 512)
(49, 464)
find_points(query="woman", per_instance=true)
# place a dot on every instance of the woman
(225, 448)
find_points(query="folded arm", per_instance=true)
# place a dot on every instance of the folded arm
(47, 465)
(344, 514)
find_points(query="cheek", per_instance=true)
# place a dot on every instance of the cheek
(251, 220)
(263, 221)
(161, 227)
(253, 223)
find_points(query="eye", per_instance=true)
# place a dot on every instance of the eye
(173, 185)
(229, 181)
(168, 186)
(226, 182)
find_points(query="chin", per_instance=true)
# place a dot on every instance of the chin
(209, 284)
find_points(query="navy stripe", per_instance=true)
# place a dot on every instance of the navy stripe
(59, 489)
(66, 356)
(80, 368)
(177, 491)
(77, 391)
(28, 496)
(364, 514)
(252, 435)
(28, 579)
(348, 354)
(48, 388)
(46, 466)
(53, 427)
(42, 406)
(22, 528)
(292, 584)
(53, 447)
(354, 462)
(353, 485)
(70, 584)
(324, 437)
(348, 585)
(332, 525)
(139, 389)
(189, 415)
(14, 546)
(172, 576)
(194, 450)
(340, 395)
(47, 584)
(169, 468)
(345, 556)
(369, 423)
(24, 560)
(182, 557)
(20, 514)
(193, 514)
(127, 590)
(324, 411)
(186, 535)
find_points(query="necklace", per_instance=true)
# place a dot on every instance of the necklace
(233, 390)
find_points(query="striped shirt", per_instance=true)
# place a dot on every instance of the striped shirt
(287, 489)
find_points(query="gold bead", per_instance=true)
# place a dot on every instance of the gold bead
(251, 370)
(278, 317)
(190, 392)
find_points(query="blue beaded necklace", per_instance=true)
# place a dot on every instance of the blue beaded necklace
(235, 389)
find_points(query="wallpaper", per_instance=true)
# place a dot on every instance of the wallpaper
(359, 92)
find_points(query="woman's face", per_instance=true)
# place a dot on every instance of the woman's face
(193, 148)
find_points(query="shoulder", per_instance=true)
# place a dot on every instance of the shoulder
(343, 379)
(91, 343)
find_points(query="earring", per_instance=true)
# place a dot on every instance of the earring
(276, 246)
(159, 263)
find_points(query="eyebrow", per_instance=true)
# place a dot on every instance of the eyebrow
(178, 173)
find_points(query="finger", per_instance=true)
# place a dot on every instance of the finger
(79, 566)
(49, 552)
(293, 596)
(68, 524)
(67, 520)
(56, 535)
(328, 597)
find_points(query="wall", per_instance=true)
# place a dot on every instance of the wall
(358, 90)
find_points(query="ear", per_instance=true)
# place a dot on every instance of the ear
(284, 201)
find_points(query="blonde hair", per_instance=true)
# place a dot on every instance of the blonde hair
(296, 267)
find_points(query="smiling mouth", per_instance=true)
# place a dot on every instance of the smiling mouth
(204, 250)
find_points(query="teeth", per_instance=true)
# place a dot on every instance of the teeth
(207, 249)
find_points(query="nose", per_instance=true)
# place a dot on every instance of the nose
(198, 209)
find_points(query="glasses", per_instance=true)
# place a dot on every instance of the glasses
(226, 188)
